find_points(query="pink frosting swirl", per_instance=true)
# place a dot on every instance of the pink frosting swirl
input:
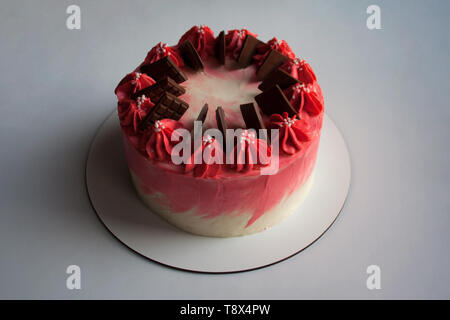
(306, 97)
(234, 40)
(208, 150)
(273, 44)
(162, 50)
(156, 142)
(132, 112)
(244, 153)
(293, 132)
(202, 37)
(132, 83)
(299, 69)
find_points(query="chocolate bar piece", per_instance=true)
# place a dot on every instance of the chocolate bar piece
(274, 101)
(156, 91)
(248, 50)
(252, 118)
(164, 67)
(168, 107)
(221, 47)
(221, 123)
(280, 77)
(190, 55)
(201, 117)
(273, 60)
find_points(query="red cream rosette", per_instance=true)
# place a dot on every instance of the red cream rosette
(207, 151)
(202, 37)
(306, 97)
(156, 140)
(132, 83)
(250, 152)
(234, 40)
(293, 132)
(299, 69)
(132, 112)
(162, 50)
(273, 44)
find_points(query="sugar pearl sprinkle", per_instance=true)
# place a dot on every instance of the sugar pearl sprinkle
(207, 140)
(158, 126)
(301, 87)
(201, 29)
(140, 100)
(247, 137)
(276, 45)
(137, 75)
(241, 34)
(288, 122)
(298, 63)
(161, 49)
(297, 90)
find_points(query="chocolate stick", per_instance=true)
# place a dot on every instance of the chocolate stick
(190, 55)
(221, 47)
(155, 91)
(273, 60)
(164, 67)
(221, 123)
(280, 77)
(253, 119)
(274, 101)
(168, 107)
(247, 51)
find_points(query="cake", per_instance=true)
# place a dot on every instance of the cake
(233, 83)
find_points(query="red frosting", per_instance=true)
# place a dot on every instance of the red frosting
(274, 44)
(306, 97)
(156, 143)
(250, 153)
(132, 83)
(202, 38)
(300, 69)
(208, 150)
(234, 40)
(161, 50)
(293, 132)
(132, 112)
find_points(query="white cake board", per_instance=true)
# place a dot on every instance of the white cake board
(117, 205)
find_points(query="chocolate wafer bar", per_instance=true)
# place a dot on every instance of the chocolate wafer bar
(221, 123)
(273, 60)
(168, 107)
(156, 91)
(190, 55)
(248, 50)
(274, 101)
(252, 118)
(162, 68)
(280, 77)
(221, 47)
(201, 117)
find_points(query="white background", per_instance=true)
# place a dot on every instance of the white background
(387, 90)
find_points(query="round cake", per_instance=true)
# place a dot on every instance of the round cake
(221, 133)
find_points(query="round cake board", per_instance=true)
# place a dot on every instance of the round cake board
(116, 203)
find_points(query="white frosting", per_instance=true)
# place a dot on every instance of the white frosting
(225, 86)
(226, 225)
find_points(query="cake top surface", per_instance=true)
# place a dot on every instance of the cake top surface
(219, 85)
(245, 84)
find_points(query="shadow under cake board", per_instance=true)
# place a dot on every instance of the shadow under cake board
(119, 208)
